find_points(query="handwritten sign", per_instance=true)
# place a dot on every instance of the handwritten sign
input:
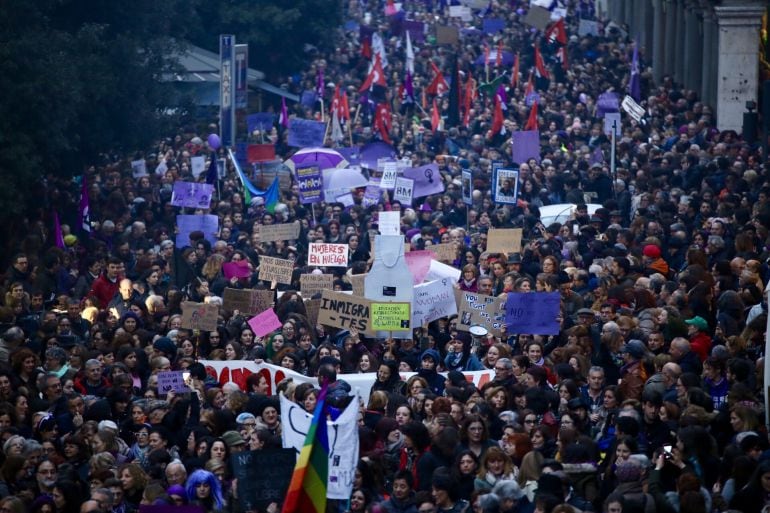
(199, 316)
(389, 175)
(264, 323)
(446, 252)
(310, 184)
(312, 284)
(478, 309)
(247, 301)
(390, 317)
(257, 488)
(357, 281)
(328, 255)
(192, 194)
(536, 313)
(403, 190)
(239, 269)
(304, 133)
(433, 300)
(344, 311)
(274, 232)
(389, 223)
(504, 240)
(171, 380)
(275, 269)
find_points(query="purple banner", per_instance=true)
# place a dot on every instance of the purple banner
(526, 145)
(305, 133)
(192, 194)
(535, 313)
(493, 25)
(607, 102)
(427, 180)
(310, 184)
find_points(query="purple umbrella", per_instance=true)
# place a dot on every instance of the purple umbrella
(324, 158)
(507, 58)
(376, 150)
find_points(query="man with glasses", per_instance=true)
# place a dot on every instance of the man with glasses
(247, 423)
(52, 398)
(19, 272)
(503, 375)
(46, 477)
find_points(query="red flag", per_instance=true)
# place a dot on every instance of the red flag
(532, 120)
(561, 54)
(366, 48)
(540, 69)
(515, 72)
(530, 85)
(435, 117)
(499, 56)
(424, 99)
(438, 86)
(557, 32)
(497, 120)
(344, 107)
(375, 77)
(382, 121)
(468, 100)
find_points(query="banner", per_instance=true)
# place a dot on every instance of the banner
(344, 311)
(192, 194)
(247, 301)
(535, 313)
(188, 223)
(264, 323)
(390, 317)
(432, 301)
(504, 240)
(310, 184)
(343, 443)
(327, 255)
(199, 316)
(305, 133)
(402, 192)
(274, 232)
(257, 488)
(312, 284)
(260, 153)
(275, 269)
(477, 309)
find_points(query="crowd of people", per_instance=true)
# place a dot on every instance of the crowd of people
(650, 398)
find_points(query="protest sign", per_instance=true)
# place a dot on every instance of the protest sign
(418, 263)
(432, 301)
(389, 175)
(390, 317)
(612, 124)
(607, 102)
(535, 313)
(139, 168)
(389, 223)
(275, 269)
(346, 200)
(260, 121)
(416, 30)
(257, 488)
(493, 25)
(402, 192)
(445, 252)
(538, 17)
(171, 380)
(460, 11)
(274, 232)
(311, 307)
(344, 311)
(467, 183)
(342, 443)
(197, 166)
(239, 269)
(188, 223)
(247, 301)
(632, 108)
(357, 281)
(327, 255)
(312, 284)
(505, 240)
(192, 194)
(439, 270)
(264, 323)
(260, 153)
(447, 35)
(372, 195)
(588, 27)
(525, 145)
(477, 309)
(427, 180)
(310, 184)
(199, 316)
(506, 186)
(304, 133)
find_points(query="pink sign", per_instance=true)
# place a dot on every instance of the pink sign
(264, 323)
(328, 255)
(239, 269)
(418, 263)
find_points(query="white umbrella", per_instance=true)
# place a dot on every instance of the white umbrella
(562, 212)
(338, 181)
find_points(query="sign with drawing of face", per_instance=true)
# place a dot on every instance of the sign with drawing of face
(506, 183)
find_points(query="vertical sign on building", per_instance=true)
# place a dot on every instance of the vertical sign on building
(241, 76)
(227, 90)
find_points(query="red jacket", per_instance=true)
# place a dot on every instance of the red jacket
(104, 290)
(700, 344)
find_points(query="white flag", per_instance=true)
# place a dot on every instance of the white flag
(336, 128)
(378, 48)
(409, 54)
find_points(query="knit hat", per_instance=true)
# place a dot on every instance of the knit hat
(651, 251)
(165, 346)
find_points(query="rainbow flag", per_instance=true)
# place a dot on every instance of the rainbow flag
(307, 490)
(270, 195)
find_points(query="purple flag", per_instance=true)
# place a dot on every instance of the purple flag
(84, 217)
(408, 88)
(58, 237)
(597, 157)
(526, 145)
(503, 96)
(427, 180)
(493, 25)
(634, 84)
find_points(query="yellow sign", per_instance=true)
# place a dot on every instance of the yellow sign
(390, 316)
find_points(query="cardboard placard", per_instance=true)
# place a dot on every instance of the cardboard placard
(275, 269)
(171, 380)
(247, 301)
(344, 311)
(447, 35)
(311, 307)
(477, 309)
(538, 17)
(357, 281)
(505, 240)
(274, 232)
(312, 284)
(390, 317)
(199, 316)
(433, 300)
(446, 252)
(257, 488)
(327, 255)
